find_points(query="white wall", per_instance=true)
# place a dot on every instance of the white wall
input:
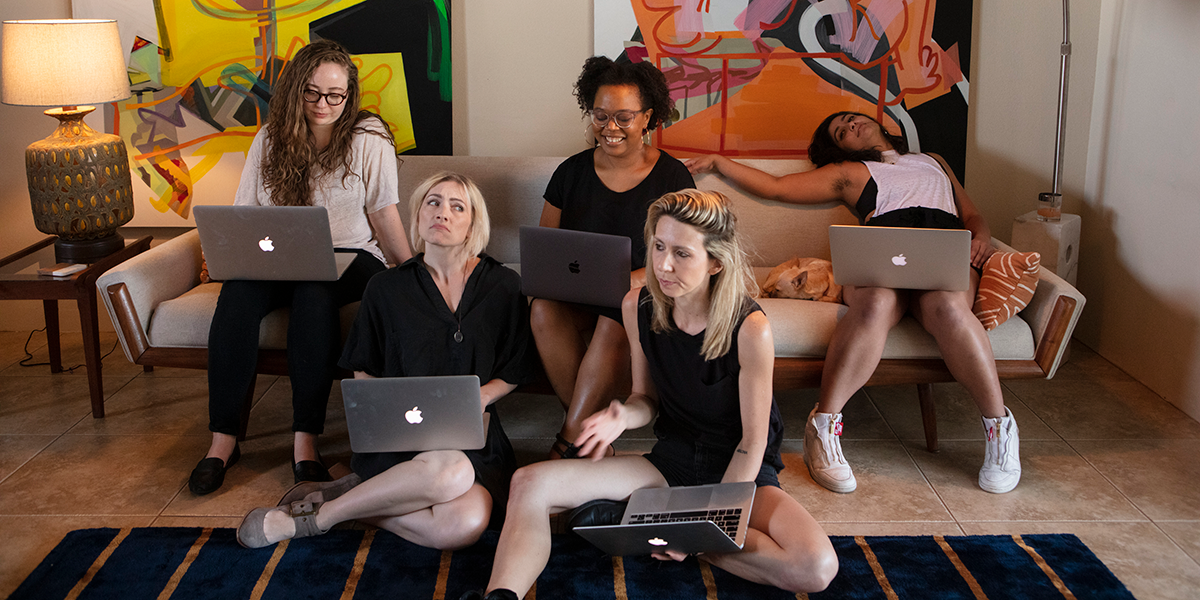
(1142, 215)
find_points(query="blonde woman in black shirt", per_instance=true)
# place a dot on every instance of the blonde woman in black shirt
(450, 310)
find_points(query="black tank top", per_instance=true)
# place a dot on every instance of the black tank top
(698, 400)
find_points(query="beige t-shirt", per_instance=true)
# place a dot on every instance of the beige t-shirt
(371, 186)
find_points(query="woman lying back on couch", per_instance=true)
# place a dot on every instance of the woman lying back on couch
(872, 171)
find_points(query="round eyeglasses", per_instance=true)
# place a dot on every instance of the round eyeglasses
(332, 98)
(623, 118)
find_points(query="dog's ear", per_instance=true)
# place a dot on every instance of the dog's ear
(801, 280)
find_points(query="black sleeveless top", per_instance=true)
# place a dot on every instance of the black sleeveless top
(699, 400)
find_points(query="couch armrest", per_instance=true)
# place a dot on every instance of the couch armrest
(133, 289)
(1051, 314)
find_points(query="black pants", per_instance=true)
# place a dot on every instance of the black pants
(313, 342)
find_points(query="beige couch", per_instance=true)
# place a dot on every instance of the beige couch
(162, 312)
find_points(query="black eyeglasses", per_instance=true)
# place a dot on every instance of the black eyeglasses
(332, 98)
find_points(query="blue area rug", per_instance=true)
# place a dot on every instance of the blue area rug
(198, 564)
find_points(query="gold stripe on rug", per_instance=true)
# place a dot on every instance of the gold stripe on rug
(876, 568)
(183, 567)
(962, 569)
(439, 590)
(532, 593)
(801, 596)
(360, 559)
(98, 564)
(261, 586)
(1041, 562)
(710, 584)
(619, 578)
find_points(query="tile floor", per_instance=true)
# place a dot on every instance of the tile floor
(1104, 458)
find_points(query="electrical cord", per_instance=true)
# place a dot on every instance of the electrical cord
(29, 355)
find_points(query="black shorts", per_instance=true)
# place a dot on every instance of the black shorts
(693, 463)
(919, 217)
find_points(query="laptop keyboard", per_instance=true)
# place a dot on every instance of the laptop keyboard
(725, 518)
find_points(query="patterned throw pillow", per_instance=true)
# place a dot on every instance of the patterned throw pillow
(1008, 282)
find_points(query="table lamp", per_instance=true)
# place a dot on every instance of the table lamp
(79, 183)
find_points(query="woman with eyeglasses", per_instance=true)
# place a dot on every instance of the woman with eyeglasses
(317, 149)
(604, 189)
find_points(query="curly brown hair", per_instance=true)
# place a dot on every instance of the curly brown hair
(292, 161)
(650, 82)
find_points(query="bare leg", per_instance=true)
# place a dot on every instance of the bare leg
(785, 547)
(429, 479)
(559, 331)
(304, 446)
(964, 344)
(548, 487)
(222, 446)
(450, 525)
(603, 375)
(858, 342)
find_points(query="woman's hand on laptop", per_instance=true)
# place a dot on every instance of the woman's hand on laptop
(674, 555)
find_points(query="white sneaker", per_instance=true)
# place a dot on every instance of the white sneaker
(1002, 458)
(823, 452)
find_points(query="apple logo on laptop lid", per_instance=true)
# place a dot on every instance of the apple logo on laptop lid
(414, 416)
(899, 260)
(266, 245)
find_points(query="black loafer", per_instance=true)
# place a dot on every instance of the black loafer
(310, 470)
(500, 594)
(209, 473)
(596, 512)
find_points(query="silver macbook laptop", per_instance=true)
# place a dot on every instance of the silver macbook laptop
(278, 243)
(414, 414)
(901, 257)
(574, 266)
(703, 518)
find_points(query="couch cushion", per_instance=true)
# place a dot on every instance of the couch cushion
(183, 322)
(803, 328)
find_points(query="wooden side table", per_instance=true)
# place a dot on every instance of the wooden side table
(19, 281)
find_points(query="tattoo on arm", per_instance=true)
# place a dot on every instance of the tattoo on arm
(740, 451)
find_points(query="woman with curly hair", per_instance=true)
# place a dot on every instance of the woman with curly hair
(604, 189)
(317, 149)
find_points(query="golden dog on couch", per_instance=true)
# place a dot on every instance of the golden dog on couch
(805, 279)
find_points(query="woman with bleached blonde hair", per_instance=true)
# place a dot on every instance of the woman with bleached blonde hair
(702, 357)
(450, 310)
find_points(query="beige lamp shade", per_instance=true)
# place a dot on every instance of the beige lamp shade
(62, 63)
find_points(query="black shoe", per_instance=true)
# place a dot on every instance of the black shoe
(500, 594)
(310, 470)
(209, 473)
(596, 512)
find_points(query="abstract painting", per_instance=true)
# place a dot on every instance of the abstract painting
(754, 78)
(202, 73)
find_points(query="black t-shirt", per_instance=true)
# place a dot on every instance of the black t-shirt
(588, 205)
(405, 329)
(699, 400)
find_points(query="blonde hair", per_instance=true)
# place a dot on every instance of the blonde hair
(481, 225)
(730, 289)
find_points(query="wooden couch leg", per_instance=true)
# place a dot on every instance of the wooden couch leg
(928, 415)
(246, 406)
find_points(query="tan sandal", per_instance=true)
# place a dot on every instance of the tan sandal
(250, 533)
